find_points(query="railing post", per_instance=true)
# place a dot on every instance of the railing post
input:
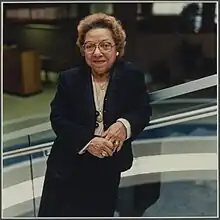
(32, 177)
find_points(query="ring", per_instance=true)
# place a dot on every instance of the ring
(103, 154)
(117, 142)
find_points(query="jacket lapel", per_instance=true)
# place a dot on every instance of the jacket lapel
(89, 96)
(110, 101)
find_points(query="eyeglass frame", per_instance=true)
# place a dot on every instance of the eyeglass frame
(98, 45)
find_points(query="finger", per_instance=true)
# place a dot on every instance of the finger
(108, 144)
(92, 152)
(100, 156)
(97, 155)
(116, 143)
(105, 133)
(114, 137)
(117, 146)
(115, 149)
(94, 149)
(107, 151)
(109, 135)
(112, 130)
(120, 146)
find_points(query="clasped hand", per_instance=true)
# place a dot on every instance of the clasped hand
(110, 141)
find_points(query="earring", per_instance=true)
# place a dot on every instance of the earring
(117, 53)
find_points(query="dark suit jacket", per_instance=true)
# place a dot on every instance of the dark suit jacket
(73, 114)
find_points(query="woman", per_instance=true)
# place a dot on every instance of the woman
(98, 109)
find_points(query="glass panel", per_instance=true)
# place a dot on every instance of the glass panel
(181, 198)
(39, 169)
(10, 129)
(42, 137)
(23, 174)
(17, 186)
(159, 166)
(175, 176)
(24, 123)
(14, 144)
(169, 189)
(184, 103)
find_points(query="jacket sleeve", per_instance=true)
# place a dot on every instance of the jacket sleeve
(140, 110)
(73, 136)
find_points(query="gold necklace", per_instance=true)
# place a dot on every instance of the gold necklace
(103, 86)
(99, 116)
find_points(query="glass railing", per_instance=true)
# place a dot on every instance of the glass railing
(178, 99)
(25, 167)
(176, 153)
(185, 97)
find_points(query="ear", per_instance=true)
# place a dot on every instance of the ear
(82, 52)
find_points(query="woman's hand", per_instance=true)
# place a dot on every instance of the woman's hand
(100, 147)
(116, 134)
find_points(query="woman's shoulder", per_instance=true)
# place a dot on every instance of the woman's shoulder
(70, 77)
(70, 72)
(130, 67)
(78, 71)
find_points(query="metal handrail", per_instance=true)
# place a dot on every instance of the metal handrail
(47, 126)
(181, 120)
(171, 92)
(186, 109)
(186, 114)
(185, 88)
(27, 150)
(200, 101)
(186, 101)
(47, 146)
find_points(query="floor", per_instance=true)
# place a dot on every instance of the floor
(185, 199)
(17, 108)
(180, 199)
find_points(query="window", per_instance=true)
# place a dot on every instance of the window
(216, 14)
(101, 7)
(73, 11)
(11, 13)
(171, 8)
(139, 9)
(18, 13)
(168, 8)
(38, 14)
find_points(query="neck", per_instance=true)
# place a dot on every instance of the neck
(100, 77)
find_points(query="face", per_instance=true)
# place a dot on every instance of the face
(99, 49)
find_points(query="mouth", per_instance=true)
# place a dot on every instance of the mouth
(99, 62)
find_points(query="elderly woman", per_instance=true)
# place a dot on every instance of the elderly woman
(98, 109)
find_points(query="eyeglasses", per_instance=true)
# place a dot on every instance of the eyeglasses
(104, 47)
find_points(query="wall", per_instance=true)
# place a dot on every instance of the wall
(59, 44)
(157, 47)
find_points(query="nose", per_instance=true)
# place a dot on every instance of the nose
(97, 52)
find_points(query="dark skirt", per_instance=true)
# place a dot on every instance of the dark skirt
(91, 191)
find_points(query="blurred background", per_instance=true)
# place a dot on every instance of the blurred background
(174, 43)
